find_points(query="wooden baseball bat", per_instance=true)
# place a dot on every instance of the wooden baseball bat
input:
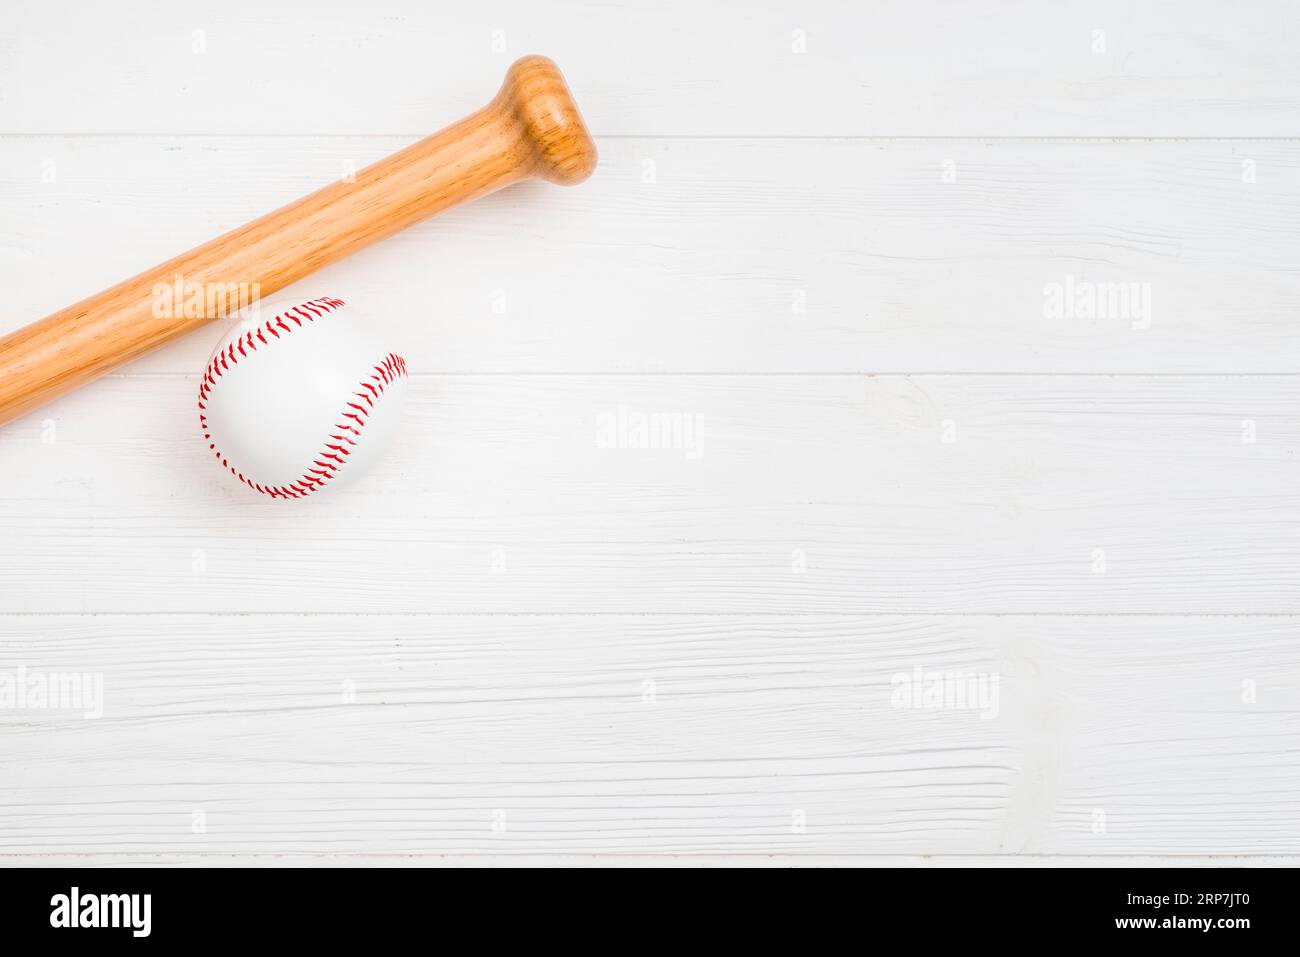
(530, 130)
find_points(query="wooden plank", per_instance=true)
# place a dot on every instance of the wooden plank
(634, 735)
(733, 259)
(982, 494)
(833, 67)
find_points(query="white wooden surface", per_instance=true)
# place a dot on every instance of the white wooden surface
(749, 255)
(513, 644)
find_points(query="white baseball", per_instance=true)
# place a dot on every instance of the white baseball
(301, 398)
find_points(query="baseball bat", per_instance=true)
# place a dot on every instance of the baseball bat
(530, 130)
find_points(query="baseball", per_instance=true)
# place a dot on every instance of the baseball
(299, 398)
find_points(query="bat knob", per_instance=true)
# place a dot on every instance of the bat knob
(538, 99)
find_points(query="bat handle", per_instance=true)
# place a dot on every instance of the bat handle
(535, 95)
(530, 130)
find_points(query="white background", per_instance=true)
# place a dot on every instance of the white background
(824, 229)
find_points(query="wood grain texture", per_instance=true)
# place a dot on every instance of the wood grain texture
(632, 734)
(733, 258)
(1056, 494)
(676, 68)
(531, 129)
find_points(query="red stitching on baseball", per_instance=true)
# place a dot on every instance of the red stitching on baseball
(389, 368)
